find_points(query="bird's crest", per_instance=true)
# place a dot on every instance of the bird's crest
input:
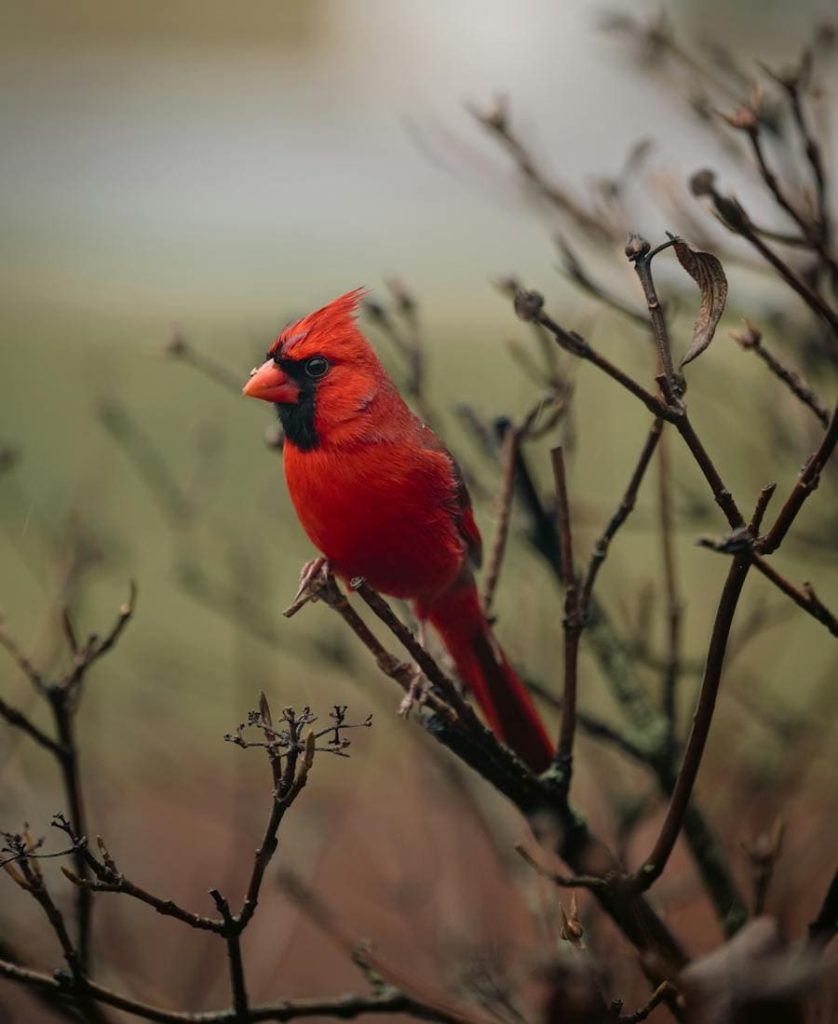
(336, 318)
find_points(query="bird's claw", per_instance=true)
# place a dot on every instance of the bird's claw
(312, 575)
(416, 694)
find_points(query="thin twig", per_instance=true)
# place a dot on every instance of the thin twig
(734, 217)
(806, 483)
(810, 296)
(30, 879)
(497, 122)
(232, 933)
(23, 662)
(291, 783)
(107, 878)
(703, 716)
(509, 455)
(665, 990)
(772, 182)
(530, 307)
(444, 684)
(724, 499)
(591, 882)
(63, 705)
(627, 503)
(480, 749)
(47, 997)
(180, 348)
(532, 304)
(806, 598)
(95, 648)
(410, 345)
(812, 149)
(749, 338)
(389, 1001)
(674, 605)
(18, 720)
(640, 253)
(61, 696)
(69, 764)
(694, 750)
(593, 726)
(576, 272)
(572, 622)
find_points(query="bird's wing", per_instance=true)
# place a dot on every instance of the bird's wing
(465, 517)
(463, 512)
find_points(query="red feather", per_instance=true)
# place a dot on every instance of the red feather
(381, 498)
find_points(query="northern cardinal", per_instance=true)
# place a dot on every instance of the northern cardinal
(382, 499)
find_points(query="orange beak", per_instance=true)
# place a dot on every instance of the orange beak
(271, 384)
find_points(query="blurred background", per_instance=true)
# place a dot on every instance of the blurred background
(206, 172)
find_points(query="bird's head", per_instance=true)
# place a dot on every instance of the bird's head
(320, 372)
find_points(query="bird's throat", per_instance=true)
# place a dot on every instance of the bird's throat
(297, 421)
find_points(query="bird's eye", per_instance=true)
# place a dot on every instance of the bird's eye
(316, 367)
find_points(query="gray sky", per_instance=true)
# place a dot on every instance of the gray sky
(188, 157)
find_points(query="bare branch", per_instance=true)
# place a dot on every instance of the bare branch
(806, 598)
(564, 882)
(702, 719)
(572, 623)
(806, 483)
(664, 991)
(749, 338)
(109, 879)
(734, 217)
(576, 272)
(509, 454)
(294, 776)
(18, 720)
(529, 306)
(30, 879)
(593, 726)
(389, 1001)
(641, 254)
(446, 686)
(600, 551)
(23, 663)
(497, 122)
(232, 933)
(674, 605)
(95, 648)
(179, 347)
(791, 83)
(61, 696)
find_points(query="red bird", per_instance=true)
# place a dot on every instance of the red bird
(381, 497)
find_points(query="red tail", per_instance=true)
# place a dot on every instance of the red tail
(482, 665)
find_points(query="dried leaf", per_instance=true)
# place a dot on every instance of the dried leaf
(706, 270)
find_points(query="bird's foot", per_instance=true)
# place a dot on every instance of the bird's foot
(312, 576)
(417, 693)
